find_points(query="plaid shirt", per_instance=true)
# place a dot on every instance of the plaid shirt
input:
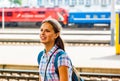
(51, 75)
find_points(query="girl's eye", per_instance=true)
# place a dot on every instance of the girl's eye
(41, 29)
(47, 30)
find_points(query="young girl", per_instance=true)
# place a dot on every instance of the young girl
(53, 44)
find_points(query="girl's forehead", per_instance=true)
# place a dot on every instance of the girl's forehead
(46, 24)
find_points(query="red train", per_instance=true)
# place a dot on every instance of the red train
(14, 15)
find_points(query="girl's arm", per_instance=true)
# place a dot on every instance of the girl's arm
(63, 73)
(39, 78)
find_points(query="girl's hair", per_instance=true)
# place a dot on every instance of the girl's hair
(57, 29)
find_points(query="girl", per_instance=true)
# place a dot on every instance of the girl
(53, 44)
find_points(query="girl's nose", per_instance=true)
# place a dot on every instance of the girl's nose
(42, 32)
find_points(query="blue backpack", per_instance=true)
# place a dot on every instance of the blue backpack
(75, 75)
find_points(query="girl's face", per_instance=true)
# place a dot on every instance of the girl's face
(47, 34)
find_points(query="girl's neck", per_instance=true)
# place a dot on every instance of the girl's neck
(48, 47)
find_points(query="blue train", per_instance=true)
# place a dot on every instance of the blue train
(89, 19)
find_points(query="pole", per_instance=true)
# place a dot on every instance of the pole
(3, 19)
(112, 25)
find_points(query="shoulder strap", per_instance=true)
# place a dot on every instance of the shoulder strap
(74, 76)
(39, 57)
(56, 60)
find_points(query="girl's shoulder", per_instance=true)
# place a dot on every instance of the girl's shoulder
(39, 56)
(60, 51)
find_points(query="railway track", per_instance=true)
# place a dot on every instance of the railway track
(33, 75)
(100, 77)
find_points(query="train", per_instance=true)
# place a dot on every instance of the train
(90, 19)
(12, 16)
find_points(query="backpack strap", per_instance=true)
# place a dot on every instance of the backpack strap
(74, 75)
(39, 57)
(56, 60)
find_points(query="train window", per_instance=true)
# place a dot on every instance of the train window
(103, 16)
(95, 16)
(0, 13)
(9, 14)
(87, 16)
(41, 12)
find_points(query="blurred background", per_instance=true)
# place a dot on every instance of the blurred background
(91, 34)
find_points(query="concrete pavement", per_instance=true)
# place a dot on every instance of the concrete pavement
(82, 56)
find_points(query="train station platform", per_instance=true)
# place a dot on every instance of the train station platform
(85, 58)
(99, 57)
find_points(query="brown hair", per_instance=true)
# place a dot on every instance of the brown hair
(57, 28)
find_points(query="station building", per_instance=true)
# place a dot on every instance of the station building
(81, 5)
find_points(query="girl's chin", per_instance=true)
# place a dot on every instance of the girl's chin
(43, 42)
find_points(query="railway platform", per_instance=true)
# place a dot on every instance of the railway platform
(85, 58)
(95, 63)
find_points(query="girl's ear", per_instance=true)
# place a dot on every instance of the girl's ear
(57, 34)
